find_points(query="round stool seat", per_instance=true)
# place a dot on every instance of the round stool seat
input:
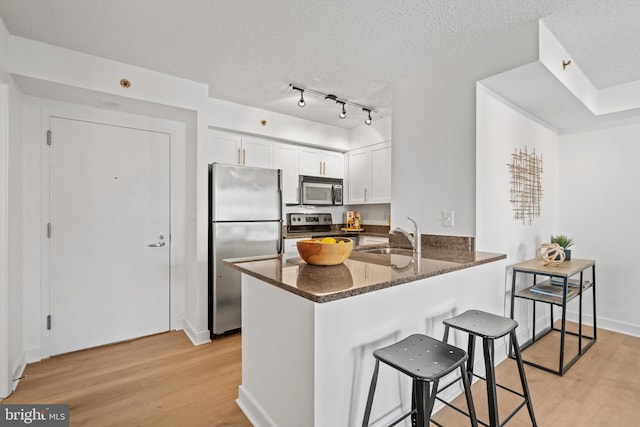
(482, 324)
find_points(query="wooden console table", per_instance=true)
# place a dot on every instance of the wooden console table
(569, 289)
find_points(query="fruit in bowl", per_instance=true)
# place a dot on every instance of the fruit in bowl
(326, 251)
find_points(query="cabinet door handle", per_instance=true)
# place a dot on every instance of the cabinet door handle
(324, 168)
(244, 156)
(365, 194)
(239, 159)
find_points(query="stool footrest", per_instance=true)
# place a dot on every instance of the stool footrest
(517, 393)
(454, 408)
(402, 417)
(506, 419)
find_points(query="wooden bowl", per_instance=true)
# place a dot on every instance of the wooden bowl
(314, 252)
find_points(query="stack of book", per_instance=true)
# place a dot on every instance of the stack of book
(552, 289)
(555, 287)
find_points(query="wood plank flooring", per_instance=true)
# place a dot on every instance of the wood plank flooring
(163, 380)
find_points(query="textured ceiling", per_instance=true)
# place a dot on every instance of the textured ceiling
(248, 51)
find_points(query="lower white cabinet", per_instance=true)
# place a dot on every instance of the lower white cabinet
(364, 240)
(290, 249)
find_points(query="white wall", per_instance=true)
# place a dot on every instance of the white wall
(240, 118)
(363, 135)
(16, 253)
(599, 206)
(11, 209)
(500, 130)
(434, 133)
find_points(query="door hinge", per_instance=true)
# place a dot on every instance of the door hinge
(48, 230)
(49, 322)
(49, 137)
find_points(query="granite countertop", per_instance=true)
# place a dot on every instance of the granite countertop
(362, 272)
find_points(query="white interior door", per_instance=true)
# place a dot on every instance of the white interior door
(109, 245)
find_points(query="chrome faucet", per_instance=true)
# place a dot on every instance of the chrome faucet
(415, 240)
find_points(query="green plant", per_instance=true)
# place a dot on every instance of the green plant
(562, 240)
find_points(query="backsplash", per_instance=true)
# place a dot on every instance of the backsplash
(456, 243)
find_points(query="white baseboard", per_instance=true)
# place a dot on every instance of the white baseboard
(177, 324)
(196, 337)
(17, 372)
(252, 410)
(608, 324)
(542, 322)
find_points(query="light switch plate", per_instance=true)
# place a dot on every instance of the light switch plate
(447, 218)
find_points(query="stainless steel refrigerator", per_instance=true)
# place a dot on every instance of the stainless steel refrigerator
(245, 219)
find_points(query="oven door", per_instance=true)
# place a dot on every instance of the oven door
(316, 193)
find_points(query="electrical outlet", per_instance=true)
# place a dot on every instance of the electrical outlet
(447, 218)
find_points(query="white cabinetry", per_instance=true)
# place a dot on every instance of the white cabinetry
(285, 157)
(316, 162)
(233, 149)
(291, 245)
(369, 179)
(365, 240)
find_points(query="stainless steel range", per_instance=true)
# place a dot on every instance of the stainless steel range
(309, 223)
(315, 225)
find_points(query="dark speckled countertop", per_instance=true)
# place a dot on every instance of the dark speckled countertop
(362, 272)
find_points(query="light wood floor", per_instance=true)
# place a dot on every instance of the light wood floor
(161, 380)
(164, 380)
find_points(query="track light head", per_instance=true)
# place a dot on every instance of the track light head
(301, 102)
(368, 119)
(343, 113)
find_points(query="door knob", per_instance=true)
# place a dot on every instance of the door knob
(160, 244)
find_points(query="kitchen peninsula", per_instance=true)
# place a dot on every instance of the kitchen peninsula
(308, 332)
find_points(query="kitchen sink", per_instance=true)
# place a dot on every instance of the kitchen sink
(388, 251)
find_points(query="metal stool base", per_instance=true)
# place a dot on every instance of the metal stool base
(490, 327)
(425, 360)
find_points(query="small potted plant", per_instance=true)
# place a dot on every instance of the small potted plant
(565, 242)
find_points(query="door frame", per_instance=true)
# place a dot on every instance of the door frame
(5, 375)
(176, 131)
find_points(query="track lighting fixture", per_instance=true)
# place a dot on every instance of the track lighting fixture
(341, 101)
(301, 103)
(368, 119)
(343, 113)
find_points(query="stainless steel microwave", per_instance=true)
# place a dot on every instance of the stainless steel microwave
(320, 191)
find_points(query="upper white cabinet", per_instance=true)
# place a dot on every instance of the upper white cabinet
(369, 179)
(236, 149)
(285, 157)
(316, 162)
(257, 152)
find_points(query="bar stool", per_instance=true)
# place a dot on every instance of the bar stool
(425, 360)
(490, 327)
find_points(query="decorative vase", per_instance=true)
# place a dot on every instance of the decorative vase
(567, 254)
